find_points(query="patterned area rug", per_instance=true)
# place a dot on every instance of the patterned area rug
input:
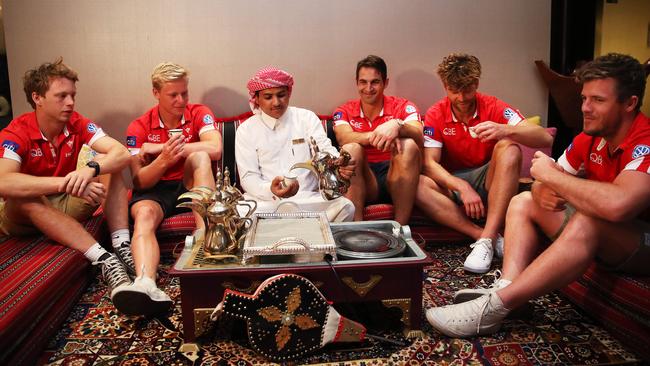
(548, 331)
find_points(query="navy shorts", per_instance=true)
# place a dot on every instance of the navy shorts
(380, 170)
(165, 193)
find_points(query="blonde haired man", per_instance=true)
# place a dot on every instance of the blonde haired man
(471, 158)
(172, 147)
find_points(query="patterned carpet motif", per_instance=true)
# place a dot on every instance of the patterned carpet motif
(549, 331)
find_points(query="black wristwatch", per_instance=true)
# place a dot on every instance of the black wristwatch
(93, 164)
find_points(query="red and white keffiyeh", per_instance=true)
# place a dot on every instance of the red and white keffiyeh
(265, 78)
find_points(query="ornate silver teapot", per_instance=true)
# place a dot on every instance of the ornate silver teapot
(225, 226)
(330, 183)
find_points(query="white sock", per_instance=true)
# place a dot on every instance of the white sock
(120, 236)
(95, 252)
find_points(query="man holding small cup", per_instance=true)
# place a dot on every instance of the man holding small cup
(172, 147)
(471, 159)
(276, 137)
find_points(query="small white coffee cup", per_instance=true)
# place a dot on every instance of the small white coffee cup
(174, 131)
(472, 132)
(288, 180)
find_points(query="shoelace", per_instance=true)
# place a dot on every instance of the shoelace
(483, 244)
(125, 255)
(481, 313)
(112, 274)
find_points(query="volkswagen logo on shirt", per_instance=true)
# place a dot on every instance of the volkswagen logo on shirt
(640, 150)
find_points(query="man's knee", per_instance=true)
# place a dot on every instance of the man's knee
(410, 149)
(147, 214)
(356, 151)
(507, 152)
(199, 159)
(521, 204)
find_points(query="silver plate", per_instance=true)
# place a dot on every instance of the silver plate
(367, 244)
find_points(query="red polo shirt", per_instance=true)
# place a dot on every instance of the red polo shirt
(196, 120)
(24, 142)
(351, 114)
(592, 153)
(459, 149)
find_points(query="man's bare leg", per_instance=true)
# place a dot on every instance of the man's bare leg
(435, 203)
(569, 256)
(55, 224)
(116, 204)
(147, 215)
(504, 164)
(522, 241)
(403, 177)
(198, 173)
(363, 185)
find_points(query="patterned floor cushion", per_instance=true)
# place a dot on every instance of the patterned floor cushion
(39, 281)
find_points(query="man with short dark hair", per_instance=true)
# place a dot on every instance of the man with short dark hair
(172, 146)
(471, 158)
(384, 135)
(603, 215)
(45, 187)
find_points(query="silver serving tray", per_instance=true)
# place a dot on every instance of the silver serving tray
(367, 244)
(274, 234)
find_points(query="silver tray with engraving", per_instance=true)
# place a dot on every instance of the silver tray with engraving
(368, 244)
(297, 233)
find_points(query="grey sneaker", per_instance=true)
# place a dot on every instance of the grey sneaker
(480, 259)
(483, 315)
(142, 297)
(113, 272)
(472, 293)
(123, 253)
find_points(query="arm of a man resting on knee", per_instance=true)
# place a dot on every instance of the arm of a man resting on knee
(621, 200)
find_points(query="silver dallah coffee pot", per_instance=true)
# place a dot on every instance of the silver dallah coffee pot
(225, 225)
(326, 167)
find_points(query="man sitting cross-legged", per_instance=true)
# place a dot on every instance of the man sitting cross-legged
(471, 158)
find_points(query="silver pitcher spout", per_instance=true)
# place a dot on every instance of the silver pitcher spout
(331, 184)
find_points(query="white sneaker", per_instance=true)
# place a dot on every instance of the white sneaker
(480, 259)
(498, 248)
(472, 293)
(483, 315)
(142, 297)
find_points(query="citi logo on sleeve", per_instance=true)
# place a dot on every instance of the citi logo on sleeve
(10, 145)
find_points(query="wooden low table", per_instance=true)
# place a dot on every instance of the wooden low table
(396, 282)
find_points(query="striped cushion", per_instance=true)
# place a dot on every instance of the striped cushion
(621, 303)
(35, 273)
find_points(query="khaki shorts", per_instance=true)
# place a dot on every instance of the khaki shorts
(636, 263)
(476, 178)
(75, 207)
